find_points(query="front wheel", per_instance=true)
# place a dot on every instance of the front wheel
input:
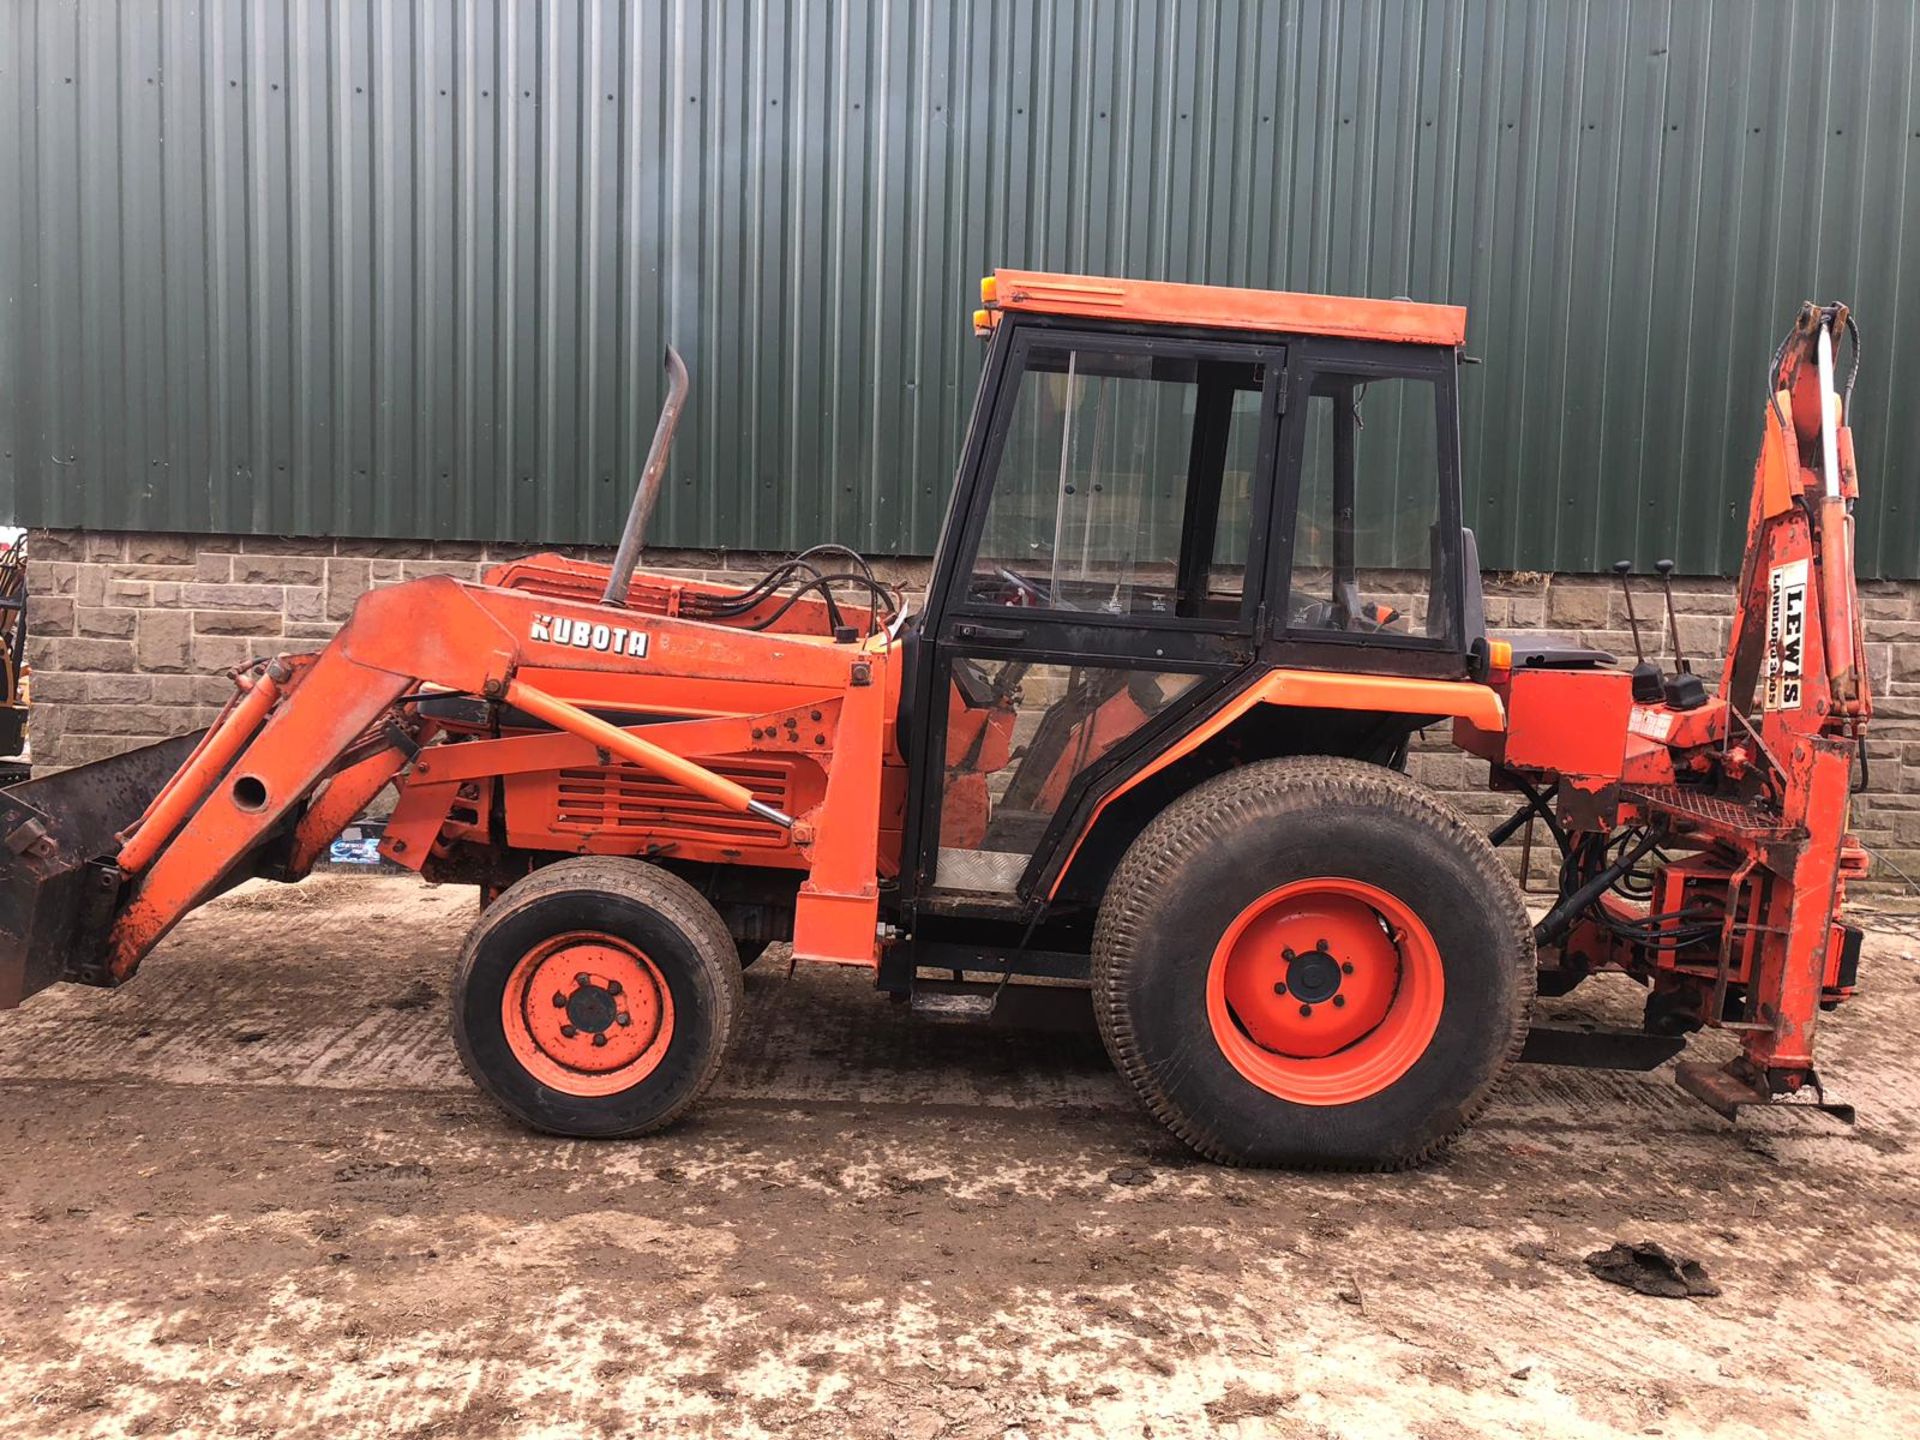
(596, 997)
(1313, 962)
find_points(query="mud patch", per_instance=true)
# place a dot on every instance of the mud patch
(874, 1228)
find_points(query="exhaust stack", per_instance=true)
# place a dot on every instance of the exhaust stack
(635, 534)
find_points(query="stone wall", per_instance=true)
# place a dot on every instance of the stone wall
(130, 634)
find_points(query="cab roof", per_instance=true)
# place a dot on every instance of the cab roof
(1160, 302)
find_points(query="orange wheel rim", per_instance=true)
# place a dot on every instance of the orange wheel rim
(1325, 991)
(587, 1014)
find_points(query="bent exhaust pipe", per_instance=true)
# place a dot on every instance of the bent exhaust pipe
(635, 534)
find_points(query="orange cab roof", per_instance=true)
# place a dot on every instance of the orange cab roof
(1159, 302)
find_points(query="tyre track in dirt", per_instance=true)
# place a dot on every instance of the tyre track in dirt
(252, 1192)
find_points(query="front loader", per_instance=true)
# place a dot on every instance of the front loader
(1203, 578)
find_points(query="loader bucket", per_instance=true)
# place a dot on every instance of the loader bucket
(59, 885)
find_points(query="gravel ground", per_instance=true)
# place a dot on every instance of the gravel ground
(252, 1193)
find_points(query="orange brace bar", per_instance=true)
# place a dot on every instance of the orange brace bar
(187, 789)
(346, 795)
(629, 746)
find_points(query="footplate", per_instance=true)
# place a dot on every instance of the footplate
(1708, 812)
(1727, 1088)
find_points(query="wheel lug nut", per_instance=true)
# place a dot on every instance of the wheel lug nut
(1346, 967)
(559, 1000)
(1339, 1002)
(1280, 987)
(601, 1038)
(613, 987)
(623, 1018)
(583, 978)
(1287, 954)
(1306, 1010)
(1321, 946)
(568, 1031)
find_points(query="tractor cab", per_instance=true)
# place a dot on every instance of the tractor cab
(1168, 492)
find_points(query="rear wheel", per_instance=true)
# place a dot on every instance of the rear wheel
(1313, 962)
(596, 997)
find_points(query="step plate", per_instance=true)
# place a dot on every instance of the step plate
(951, 1007)
(1724, 816)
(985, 872)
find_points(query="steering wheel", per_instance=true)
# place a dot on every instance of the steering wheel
(1030, 594)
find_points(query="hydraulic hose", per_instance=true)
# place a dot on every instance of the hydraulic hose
(1557, 921)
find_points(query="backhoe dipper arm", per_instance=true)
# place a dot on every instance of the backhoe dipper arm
(304, 715)
(1735, 808)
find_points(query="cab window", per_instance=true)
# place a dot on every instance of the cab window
(1367, 558)
(1125, 485)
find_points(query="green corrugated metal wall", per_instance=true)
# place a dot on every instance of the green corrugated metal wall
(359, 269)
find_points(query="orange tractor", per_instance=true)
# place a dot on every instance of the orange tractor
(1204, 576)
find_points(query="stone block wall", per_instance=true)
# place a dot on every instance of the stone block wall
(130, 634)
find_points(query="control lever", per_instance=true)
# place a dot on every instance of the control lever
(1648, 682)
(1665, 567)
(1620, 568)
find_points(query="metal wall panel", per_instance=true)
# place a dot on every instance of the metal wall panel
(317, 266)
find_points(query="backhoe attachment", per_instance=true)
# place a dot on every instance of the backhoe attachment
(1709, 858)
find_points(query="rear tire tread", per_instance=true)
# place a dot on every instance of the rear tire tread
(1214, 810)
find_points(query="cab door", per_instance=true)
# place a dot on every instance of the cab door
(1371, 559)
(1101, 578)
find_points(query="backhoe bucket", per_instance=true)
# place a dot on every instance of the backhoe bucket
(59, 885)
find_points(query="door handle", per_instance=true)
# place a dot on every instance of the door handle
(995, 634)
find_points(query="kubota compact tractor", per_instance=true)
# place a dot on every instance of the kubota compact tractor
(1203, 576)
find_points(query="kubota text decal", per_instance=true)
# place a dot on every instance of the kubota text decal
(1786, 634)
(586, 635)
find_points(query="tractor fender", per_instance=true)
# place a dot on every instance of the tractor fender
(1422, 700)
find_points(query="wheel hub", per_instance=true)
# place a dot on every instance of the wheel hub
(1313, 977)
(594, 1008)
(586, 1010)
(1311, 974)
(1325, 991)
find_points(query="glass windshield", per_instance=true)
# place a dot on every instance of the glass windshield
(1124, 485)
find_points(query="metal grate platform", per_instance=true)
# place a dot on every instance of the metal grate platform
(1726, 816)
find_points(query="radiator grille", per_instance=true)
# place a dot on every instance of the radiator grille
(624, 799)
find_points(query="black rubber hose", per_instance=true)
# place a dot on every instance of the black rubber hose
(1559, 920)
(1537, 804)
(878, 591)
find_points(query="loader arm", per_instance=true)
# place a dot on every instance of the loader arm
(310, 739)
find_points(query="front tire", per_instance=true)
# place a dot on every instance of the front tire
(596, 998)
(1314, 963)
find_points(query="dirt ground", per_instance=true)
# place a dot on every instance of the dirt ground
(252, 1193)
